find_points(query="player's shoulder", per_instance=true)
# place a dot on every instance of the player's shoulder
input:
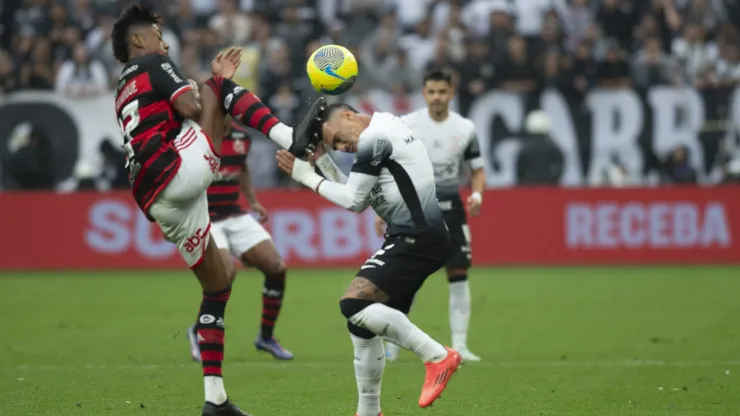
(413, 117)
(376, 141)
(463, 122)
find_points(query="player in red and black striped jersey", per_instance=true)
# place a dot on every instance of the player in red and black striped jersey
(167, 130)
(238, 234)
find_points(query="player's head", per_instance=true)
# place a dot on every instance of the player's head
(438, 90)
(341, 127)
(137, 33)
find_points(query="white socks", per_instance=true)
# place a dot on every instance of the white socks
(396, 327)
(459, 313)
(215, 392)
(369, 366)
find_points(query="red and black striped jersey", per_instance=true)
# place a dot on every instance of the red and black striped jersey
(149, 122)
(223, 194)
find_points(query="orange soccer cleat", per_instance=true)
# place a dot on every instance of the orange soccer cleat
(438, 375)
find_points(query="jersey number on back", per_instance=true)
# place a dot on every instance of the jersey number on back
(128, 122)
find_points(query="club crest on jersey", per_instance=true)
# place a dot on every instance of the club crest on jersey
(240, 146)
(227, 101)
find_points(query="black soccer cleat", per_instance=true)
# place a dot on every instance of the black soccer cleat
(307, 134)
(226, 409)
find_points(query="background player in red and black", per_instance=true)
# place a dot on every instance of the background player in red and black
(238, 234)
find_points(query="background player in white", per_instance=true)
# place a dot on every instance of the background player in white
(450, 140)
(392, 173)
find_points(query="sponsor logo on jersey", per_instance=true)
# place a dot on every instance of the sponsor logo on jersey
(171, 72)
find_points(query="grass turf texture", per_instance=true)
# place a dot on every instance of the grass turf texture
(575, 341)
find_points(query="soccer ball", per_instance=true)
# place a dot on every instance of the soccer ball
(332, 69)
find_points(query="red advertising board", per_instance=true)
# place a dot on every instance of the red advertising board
(517, 227)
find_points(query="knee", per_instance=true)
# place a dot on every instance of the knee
(351, 307)
(276, 270)
(230, 270)
(457, 274)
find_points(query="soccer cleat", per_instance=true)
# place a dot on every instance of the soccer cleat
(467, 355)
(273, 347)
(437, 377)
(307, 133)
(379, 414)
(392, 351)
(194, 347)
(226, 409)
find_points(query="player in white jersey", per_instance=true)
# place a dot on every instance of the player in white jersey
(450, 140)
(392, 173)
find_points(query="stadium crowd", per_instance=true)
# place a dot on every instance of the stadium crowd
(516, 45)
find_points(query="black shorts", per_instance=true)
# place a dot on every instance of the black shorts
(402, 265)
(457, 222)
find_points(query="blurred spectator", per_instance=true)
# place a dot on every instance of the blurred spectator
(230, 24)
(677, 169)
(693, 51)
(577, 18)
(516, 72)
(613, 71)
(552, 71)
(7, 79)
(582, 70)
(618, 20)
(81, 76)
(284, 103)
(728, 66)
(37, 69)
(651, 66)
(476, 74)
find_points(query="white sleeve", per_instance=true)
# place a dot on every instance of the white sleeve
(372, 153)
(352, 195)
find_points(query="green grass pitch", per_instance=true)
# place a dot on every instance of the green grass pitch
(555, 341)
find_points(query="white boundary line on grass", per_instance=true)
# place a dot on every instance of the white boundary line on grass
(303, 364)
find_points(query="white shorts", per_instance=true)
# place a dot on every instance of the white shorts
(181, 209)
(238, 234)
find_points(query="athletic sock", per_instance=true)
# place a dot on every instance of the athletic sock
(459, 310)
(248, 109)
(396, 327)
(369, 366)
(272, 301)
(210, 331)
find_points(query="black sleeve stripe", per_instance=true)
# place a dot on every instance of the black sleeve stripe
(367, 168)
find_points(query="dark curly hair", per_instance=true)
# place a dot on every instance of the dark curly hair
(134, 16)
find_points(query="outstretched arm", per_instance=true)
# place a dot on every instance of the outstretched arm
(352, 195)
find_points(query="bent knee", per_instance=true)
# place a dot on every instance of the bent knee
(352, 306)
(276, 269)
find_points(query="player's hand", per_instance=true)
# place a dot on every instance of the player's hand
(297, 169)
(380, 226)
(261, 211)
(226, 64)
(196, 90)
(474, 203)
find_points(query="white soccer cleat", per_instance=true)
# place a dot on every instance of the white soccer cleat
(467, 355)
(392, 351)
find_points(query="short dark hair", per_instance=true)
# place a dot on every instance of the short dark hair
(331, 108)
(438, 75)
(134, 16)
